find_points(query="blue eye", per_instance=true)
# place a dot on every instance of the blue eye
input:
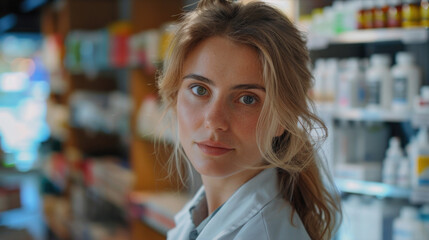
(248, 100)
(199, 90)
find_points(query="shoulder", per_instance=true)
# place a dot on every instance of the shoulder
(273, 222)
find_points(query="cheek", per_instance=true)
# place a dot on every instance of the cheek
(245, 124)
(187, 113)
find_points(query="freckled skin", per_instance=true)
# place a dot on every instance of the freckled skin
(221, 110)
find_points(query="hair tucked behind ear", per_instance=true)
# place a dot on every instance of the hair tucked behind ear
(284, 60)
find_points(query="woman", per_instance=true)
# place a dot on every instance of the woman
(236, 81)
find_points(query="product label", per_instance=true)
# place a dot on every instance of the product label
(374, 92)
(423, 170)
(400, 89)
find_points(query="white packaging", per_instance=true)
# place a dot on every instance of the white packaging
(331, 80)
(406, 81)
(404, 172)
(392, 161)
(351, 86)
(372, 223)
(351, 9)
(408, 226)
(424, 217)
(345, 141)
(350, 228)
(379, 82)
(319, 80)
(421, 105)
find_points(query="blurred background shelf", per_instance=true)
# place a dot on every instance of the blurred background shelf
(360, 114)
(375, 189)
(418, 195)
(406, 36)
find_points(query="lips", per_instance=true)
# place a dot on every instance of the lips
(213, 148)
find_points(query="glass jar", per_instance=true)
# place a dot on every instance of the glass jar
(380, 14)
(394, 14)
(411, 13)
(424, 13)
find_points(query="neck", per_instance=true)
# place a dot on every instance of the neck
(220, 189)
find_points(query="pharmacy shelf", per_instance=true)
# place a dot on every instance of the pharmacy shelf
(420, 120)
(406, 36)
(360, 114)
(376, 189)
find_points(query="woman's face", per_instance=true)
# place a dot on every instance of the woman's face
(218, 106)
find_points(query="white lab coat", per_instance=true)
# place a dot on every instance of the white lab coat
(255, 211)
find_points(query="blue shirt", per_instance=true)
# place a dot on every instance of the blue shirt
(255, 211)
(199, 212)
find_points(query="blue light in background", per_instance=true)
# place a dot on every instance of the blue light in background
(40, 73)
(30, 5)
(7, 22)
(13, 82)
(24, 90)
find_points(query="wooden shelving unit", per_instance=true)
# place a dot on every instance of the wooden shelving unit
(147, 164)
(59, 19)
(149, 168)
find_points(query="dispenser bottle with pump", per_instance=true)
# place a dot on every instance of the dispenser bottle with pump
(394, 157)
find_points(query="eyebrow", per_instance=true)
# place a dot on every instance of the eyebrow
(237, 87)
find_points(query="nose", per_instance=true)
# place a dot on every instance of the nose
(217, 116)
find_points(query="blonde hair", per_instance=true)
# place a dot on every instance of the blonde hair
(284, 59)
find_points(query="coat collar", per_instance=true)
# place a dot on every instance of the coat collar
(245, 203)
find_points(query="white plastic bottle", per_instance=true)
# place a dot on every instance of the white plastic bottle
(421, 103)
(351, 86)
(331, 80)
(319, 80)
(408, 226)
(379, 82)
(406, 82)
(404, 173)
(394, 155)
(424, 216)
(351, 227)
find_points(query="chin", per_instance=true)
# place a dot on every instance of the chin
(212, 170)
